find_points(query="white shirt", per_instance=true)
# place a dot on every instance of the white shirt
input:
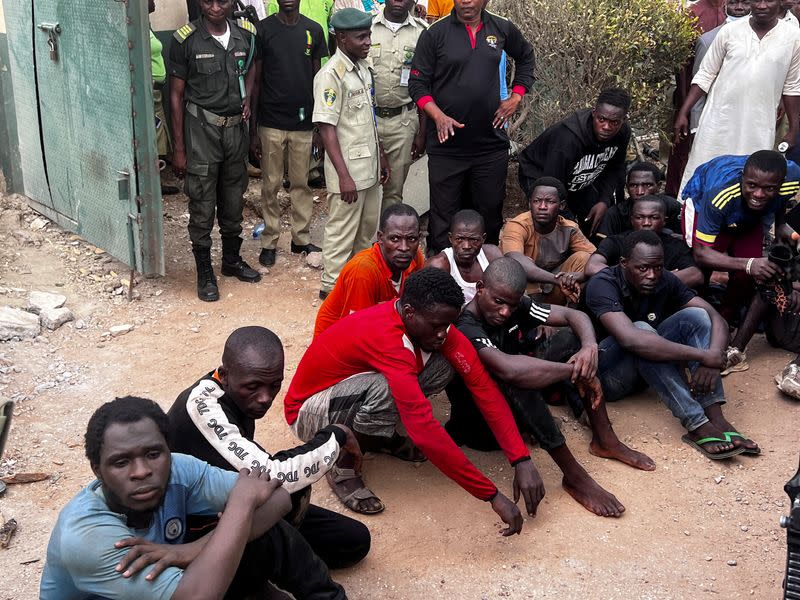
(467, 287)
(225, 37)
(745, 78)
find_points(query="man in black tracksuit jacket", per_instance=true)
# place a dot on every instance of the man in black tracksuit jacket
(214, 420)
(455, 80)
(586, 152)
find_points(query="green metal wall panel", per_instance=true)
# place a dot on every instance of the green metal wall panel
(85, 122)
(148, 178)
(9, 144)
(19, 27)
(85, 108)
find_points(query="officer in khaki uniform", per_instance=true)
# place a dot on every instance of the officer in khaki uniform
(394, 37)
(343, 111)
(208, 61)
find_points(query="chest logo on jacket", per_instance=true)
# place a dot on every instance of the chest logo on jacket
(589, 168)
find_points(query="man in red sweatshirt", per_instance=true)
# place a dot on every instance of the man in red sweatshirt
(375, 367)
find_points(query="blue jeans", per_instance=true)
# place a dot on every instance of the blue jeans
(623, 373)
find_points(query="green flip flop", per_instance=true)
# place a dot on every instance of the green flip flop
(732, 434)
(698, 445)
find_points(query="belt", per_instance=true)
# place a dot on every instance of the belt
(385, 113)
(211, 118)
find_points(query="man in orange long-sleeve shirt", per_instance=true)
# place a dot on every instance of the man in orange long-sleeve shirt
(376, 274)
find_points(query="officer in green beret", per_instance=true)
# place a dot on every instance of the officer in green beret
(355, 163)
(209, 62)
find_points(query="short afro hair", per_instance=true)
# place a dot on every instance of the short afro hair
(506, 272)
(652, 198)
(646, 167)
(643, 236)
(397, 210)
(618, 97)
(127, 409)
(767, 161)
(428, 287)
(468, 217)
(259, 339)
(550, 182)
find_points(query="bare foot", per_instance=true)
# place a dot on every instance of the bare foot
(622, 453)
(588, 493)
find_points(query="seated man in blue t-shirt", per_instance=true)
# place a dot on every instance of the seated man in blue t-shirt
(138, 507)
(654, 325)
(729, 202)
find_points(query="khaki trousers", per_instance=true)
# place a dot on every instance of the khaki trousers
(349, 229)
(297, 145)
(397, 134)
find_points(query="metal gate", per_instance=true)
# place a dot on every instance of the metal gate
(83, 98)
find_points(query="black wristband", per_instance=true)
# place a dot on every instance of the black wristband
(520, 460)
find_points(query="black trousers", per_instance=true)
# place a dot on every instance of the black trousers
(459, 182)
(296, 559)
(283, 557)
(467, 425)
(337, 539)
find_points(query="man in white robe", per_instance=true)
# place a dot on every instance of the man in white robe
(751, 66)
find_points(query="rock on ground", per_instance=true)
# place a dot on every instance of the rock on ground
(38, 301)
(117, 330)
(53, 318)
(314, 260)
(18, 323)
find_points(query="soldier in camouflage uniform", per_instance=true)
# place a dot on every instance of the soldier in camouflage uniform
(209, 97)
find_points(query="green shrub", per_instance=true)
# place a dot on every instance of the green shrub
(583, 46)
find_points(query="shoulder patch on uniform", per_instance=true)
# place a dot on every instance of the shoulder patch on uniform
(329, 96)
(246, 25)
(184, 32)
(340, 68)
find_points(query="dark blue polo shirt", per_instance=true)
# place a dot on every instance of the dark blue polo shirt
(608, 291)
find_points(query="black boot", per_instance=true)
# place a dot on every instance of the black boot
(232, 263)
(207, 289)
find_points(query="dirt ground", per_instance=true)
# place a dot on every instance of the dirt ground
(694, 528)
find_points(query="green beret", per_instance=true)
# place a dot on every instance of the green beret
(351, 19)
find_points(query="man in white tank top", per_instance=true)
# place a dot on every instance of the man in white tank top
(467, 257)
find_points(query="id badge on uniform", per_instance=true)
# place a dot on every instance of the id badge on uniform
(405, 74)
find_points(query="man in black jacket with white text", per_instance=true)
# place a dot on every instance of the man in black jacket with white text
(214, 420)
(586, 152)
